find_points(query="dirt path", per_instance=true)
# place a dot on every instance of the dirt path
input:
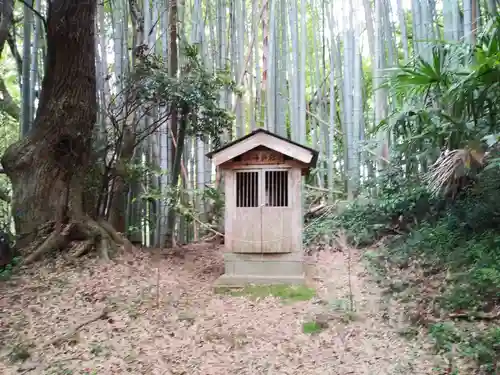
(196, 331)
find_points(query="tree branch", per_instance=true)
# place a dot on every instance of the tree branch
(37, 13)
(7, 104)
(60, 339)
(11, 40)
(6, 12)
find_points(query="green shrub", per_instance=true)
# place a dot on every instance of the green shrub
(481, 346)
(459, 239)
(473, 263)
(476, 290)
(484, 348)
(6, 272)
(401, 203)
(444, 335)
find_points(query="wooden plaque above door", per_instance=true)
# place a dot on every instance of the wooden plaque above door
(262, 157)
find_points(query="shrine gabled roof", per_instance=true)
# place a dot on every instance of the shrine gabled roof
(263, 137)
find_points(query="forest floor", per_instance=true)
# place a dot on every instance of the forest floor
(194, 330)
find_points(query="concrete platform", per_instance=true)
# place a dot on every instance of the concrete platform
(262, 269)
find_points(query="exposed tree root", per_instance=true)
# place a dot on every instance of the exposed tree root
(112, 232)
(103, 241)
(83, 248)
(78, 237)
(54, 241)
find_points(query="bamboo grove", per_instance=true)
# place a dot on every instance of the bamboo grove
(316, 71)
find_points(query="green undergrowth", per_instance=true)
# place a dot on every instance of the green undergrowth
(458, 342)
(284, 292)
(437, 256)
(6, 271)
(401, 204)
(311, 327)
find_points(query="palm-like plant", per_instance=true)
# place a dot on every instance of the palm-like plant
(451, 170)
(450, 103)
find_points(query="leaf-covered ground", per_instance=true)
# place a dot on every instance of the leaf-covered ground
(183, 327)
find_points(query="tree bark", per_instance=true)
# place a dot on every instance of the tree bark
(175, 154)
(126, 148)
(117, 207)
(176, 172)
(47, 167)
(7, 103)
(6, 12)
(173, 65)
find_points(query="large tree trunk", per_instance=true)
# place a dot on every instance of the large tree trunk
(6, 11)
(47, 167)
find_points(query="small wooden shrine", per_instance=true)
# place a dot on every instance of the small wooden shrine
(263, 208)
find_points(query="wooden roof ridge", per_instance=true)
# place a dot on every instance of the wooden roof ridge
(297, 151)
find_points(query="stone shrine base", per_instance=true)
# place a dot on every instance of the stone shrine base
(263, 269)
